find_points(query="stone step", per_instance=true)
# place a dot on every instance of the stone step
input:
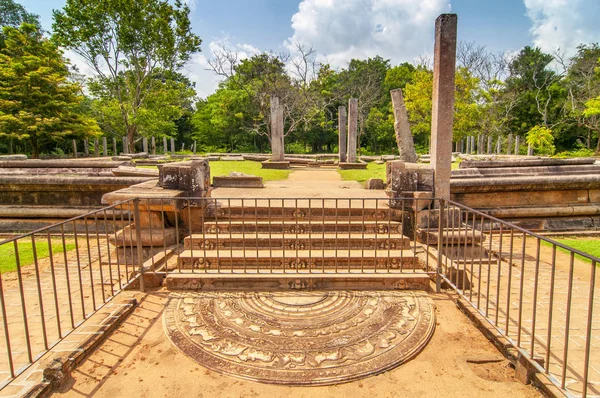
(457, 236)
(302, 227)
(250, 212)
(250, 281)
(296, 241)
(298, 259)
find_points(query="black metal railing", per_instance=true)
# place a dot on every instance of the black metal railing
(54, 278)
(536, 292)
(299, 235)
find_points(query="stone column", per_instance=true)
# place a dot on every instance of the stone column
(442, 116)
(145, 145)
(529, 150)
(75, 149)
(517, 144)
(277, 145)
(473, 147)
(115, 149)
(86, 148)
(172, 145)
(104, 146)
(489, 145)
(404, 138)
(125, 146)
(352, 129)
(194, 147)
(509, 145)
(342, 133)
(499, 145)
(96, 147)
(153, 145)
(182, 147)
(165, 146)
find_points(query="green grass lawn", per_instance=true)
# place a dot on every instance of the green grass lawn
(223, 168)
(373, 170)
(587, 245)
(7, 253)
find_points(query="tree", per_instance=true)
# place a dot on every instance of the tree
(127, 43)
(541, 139)
(14, 14)
(166, 102)
(583, 85)
(37, 102)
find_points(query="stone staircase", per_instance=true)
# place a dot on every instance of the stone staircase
(237, 247)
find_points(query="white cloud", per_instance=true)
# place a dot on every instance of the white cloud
(340, 30)
(198, 69)
(563, 24)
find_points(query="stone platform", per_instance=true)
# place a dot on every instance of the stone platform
(300, 338)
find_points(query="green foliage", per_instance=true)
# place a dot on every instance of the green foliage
(541, 140)
(135, 48)
(14, 14)
(38, 104)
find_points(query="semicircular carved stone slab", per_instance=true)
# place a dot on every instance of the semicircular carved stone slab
(300, 338)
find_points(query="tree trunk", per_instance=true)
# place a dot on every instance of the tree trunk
(404, 138)
(131, 133)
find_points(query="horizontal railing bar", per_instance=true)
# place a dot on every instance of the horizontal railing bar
(530, 233)
(58, 224)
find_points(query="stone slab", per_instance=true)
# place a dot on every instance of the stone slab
(465, 164)
(352, 166)
(275, 165)
(238, 182)
(295, 281)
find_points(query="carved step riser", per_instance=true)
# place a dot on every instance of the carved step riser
(291, 214)
(275, 228)
(302, 244)
(300, 263)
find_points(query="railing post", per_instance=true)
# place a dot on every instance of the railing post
(138, 240)
(438, 273)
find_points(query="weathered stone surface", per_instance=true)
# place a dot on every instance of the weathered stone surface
(13, 157)
(375, 183)
(67, 163)
(352, 166)
(345, 336)
(243, 181)
(342, 134)
(443, 102)
(60, 190)
(521, 198)
(404, 137)
(151, 237)
(192, 177)
(352, 129)
(126, 171)
(526, 162)
(526, 183)
(526, 170)
(409, 177)
(277, 143)
(275, 165)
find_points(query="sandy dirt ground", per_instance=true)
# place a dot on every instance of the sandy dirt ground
(138, 360)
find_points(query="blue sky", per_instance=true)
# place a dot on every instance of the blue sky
(400, 30)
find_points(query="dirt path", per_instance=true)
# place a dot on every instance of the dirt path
(304, 184)
(139, 360)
